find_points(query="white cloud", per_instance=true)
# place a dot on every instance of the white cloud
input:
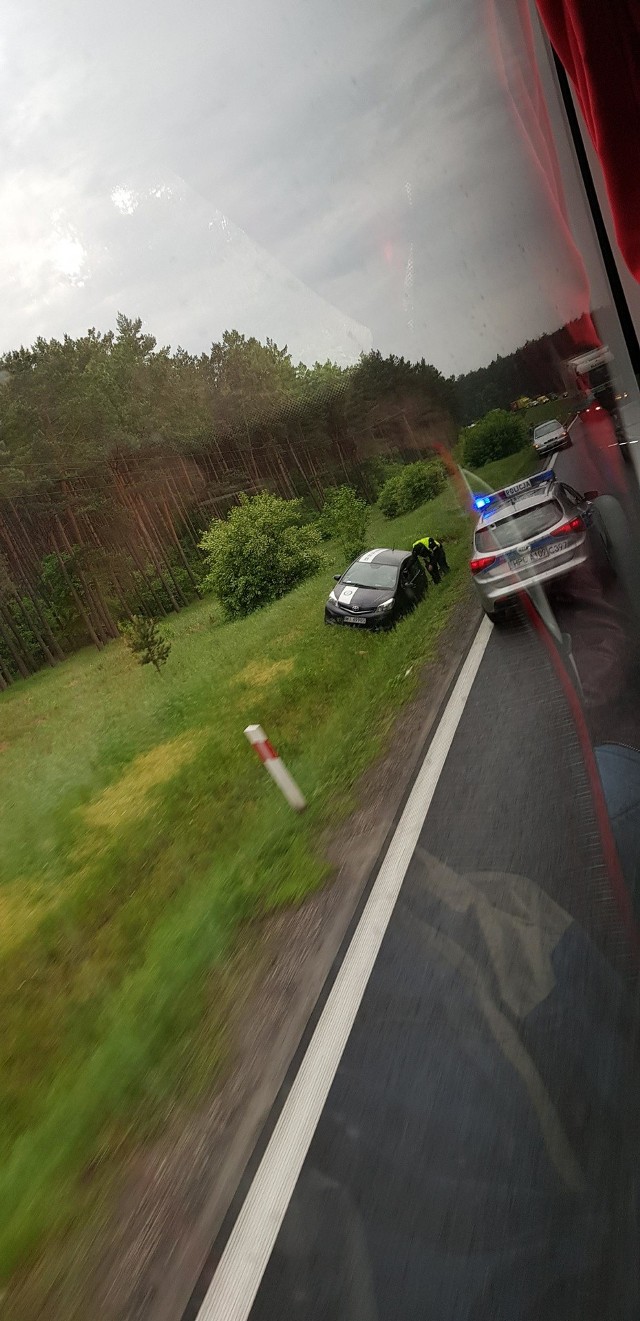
(125, 199)
(69, 258)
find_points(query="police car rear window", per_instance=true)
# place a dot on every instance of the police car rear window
(513, 529)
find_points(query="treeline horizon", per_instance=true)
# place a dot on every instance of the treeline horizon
(116, 454)
(535, 368)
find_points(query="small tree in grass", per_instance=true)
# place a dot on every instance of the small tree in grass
(345, 517)
(145, 641)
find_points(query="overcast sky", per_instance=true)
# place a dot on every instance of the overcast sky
(335, 175)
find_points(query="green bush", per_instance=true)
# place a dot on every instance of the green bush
(495, 436)
(390, 498)
(421, 482)
(413, 486)
(344, 518)
(259, 552)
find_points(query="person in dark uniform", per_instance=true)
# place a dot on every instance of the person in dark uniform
(432, 552)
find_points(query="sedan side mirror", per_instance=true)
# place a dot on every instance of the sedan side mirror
(591, 495)
(337, 577)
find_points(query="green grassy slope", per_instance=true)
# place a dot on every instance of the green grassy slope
(137, 830)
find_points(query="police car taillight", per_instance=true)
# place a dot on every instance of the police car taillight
(482, 562)
(575, 525)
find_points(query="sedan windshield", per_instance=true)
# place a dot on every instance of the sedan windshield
(382, 576)
(547, 428)
(518, 527)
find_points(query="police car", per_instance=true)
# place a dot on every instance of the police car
(376, 590)
(533, 532)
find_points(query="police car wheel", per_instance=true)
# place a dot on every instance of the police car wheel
(498, 617)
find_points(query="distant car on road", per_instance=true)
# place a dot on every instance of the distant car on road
(540, 529)
(377, 590)
(549, 436)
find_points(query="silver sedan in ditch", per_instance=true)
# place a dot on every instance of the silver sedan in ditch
(533, 532)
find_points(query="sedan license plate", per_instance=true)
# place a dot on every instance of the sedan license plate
(353, 619)
(537, 555)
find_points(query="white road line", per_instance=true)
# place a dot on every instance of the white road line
(235, 1284)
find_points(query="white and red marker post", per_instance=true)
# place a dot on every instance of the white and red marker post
(276, 767)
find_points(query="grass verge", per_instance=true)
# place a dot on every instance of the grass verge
(562, 409)
(513, 469)
(137, 833)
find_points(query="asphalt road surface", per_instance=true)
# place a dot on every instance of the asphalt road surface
(477, 1155)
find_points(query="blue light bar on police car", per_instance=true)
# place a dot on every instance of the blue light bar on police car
(481, 502)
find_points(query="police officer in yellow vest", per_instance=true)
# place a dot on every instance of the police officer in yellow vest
(432, 552)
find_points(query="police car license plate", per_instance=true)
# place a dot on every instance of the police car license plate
(354, 619)
(530, 558)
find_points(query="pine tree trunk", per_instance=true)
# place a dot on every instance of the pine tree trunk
(156, 564)
(170, 526)
(187, 475)
(163, 558)
(103, 625)
(6, 633)
(97, 642)
(6, 677)
(19, 543)
(50, 658)
(341, 457)
(289, 489)
(185, 516)
(48, 640)
(121, 594)
(100, 606)
(138, 560)
(132, 505)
